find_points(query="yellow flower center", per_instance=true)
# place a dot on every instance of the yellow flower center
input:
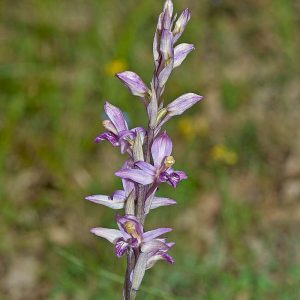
(130, 228)
(169, 161)
(115, 66)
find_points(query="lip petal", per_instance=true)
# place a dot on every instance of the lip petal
(108, 136)
(121, 247)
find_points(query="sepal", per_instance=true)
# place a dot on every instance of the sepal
(134, 83)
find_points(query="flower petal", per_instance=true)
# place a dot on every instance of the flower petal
(128, 186)
(170, 245)
(124, 145)
(159, 201)
(167, 51)
(135, 175)
(152, 110)
(181, 24)
(180, 53)
(181, 104)
(110, 234)
(161, 147)
(173, 180)
(109, 126)
(149, 199)
(156, 40)
(182, 175)
(146, 167)
(139, 271)
(108, 136)
(153, 246)
(135, 228)
(118, 195)
(120, 247)
(152, 234)
(166, 45)
(135, 84)
(107, 201)
(168, 12)
(152, 260)
(116, 116)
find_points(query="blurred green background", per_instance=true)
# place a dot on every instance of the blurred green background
(236, 224)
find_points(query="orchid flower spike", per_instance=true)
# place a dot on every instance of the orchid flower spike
(149, 162)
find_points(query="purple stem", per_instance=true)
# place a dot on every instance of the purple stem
(143, 192)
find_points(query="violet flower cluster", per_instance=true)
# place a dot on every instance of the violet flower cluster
(149, 155)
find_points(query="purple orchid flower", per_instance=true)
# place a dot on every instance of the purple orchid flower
(117, 132)
(150, 160)
(118, 199)
(157, 250)
(130, 234)
(161, 171)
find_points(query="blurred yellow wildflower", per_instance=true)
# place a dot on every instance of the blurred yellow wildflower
(201, 126)
(115, 66)
(189, 128)
(224, 154)
(186, 128)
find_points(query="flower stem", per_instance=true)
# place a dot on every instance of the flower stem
(142, 192)
(148, 145)
(129, 269)
(132, 295)
(129, 293)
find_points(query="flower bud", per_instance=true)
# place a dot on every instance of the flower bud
(134, 83)
(168, 12)
(181, 24)
(181, 104)
(180, 53)
(166, 46)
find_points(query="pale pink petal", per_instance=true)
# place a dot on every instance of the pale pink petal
(109, 234)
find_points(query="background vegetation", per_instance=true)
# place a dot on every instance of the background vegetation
(237, 219)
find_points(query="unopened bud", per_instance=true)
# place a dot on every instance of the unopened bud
(181, 24)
